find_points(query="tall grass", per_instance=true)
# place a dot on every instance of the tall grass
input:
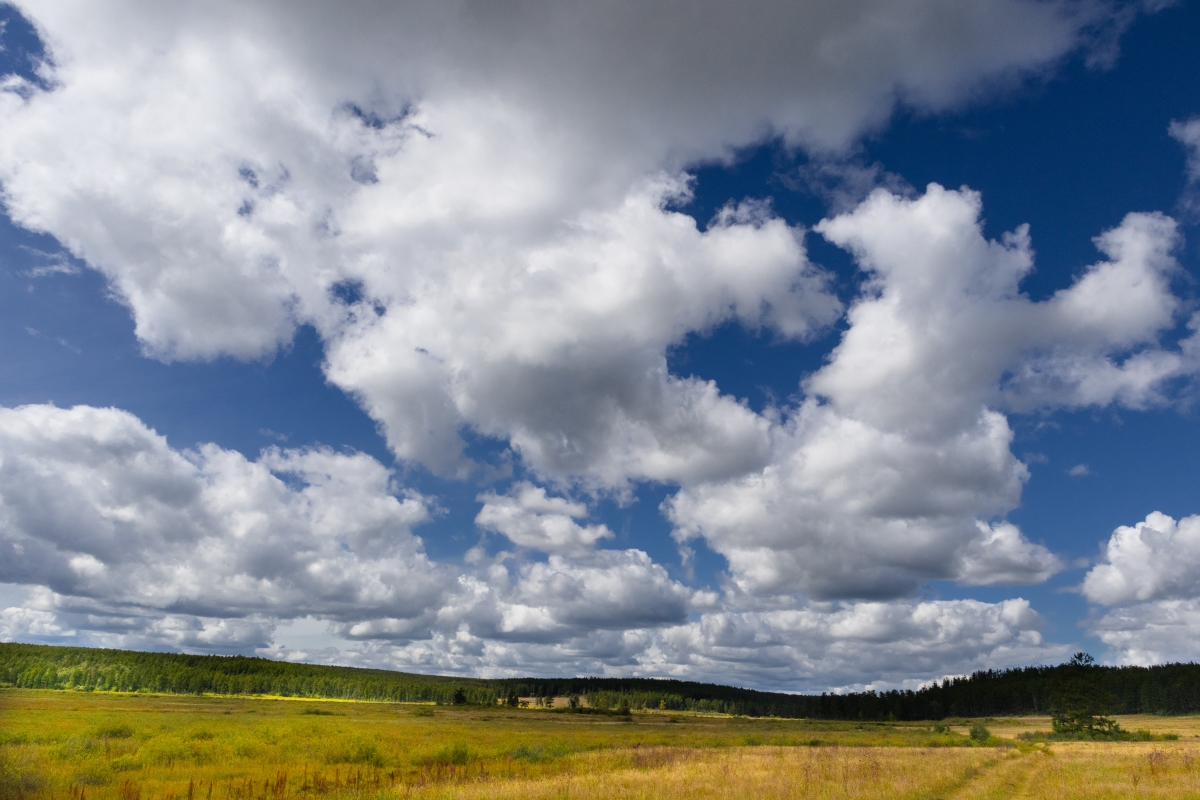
(58, 745)
(763, 773)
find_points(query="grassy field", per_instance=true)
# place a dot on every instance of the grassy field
(100, 746)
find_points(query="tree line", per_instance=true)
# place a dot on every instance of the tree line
(1163, 689)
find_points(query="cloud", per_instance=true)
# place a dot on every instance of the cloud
(563, 599)
(495, 185)
(1156, 559)
(50, 264)
(204, 549)
(843, 184)
(127, 542)
(1187, 133)
(99, 509)
(887, 472)
(22, 623)
(561, 350)
(811, 647)
(857, 645)
(1150, 572)
(1079, 471)
(531, 519)
(1151, 633)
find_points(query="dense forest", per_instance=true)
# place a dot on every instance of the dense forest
(1165, 689)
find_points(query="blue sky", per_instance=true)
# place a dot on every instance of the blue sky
(566, 344)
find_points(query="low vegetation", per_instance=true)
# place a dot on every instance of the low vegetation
(78, 745)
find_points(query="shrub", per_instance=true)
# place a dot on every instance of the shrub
(979, 733)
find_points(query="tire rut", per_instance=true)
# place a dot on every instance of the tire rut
(1007, 778)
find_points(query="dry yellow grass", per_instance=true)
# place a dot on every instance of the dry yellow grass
(1062, 772)
(763, 773)
(77, 746)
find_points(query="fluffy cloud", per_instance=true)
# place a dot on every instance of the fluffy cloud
(128, 542)
(99, 509)
(531, 519)
(205, 549)
(1157, 559)
(568, 598)
(1151, 573)
(886, 473)
(19, 623)
(1151, 633)
(809, 647)
(472, 205)
(858, 644)
(560, 348)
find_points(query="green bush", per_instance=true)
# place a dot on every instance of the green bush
(979, 733)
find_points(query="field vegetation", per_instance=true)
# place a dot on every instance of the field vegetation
(74, 745)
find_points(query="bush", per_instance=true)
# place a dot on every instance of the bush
(979, 733)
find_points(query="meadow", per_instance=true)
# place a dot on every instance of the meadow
(64, 745)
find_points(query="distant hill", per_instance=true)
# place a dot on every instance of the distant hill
(1165, 689)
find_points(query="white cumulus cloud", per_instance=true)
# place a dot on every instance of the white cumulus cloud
(887, 473)
(808, 647)
(1151, 633)
(856, 645)
(1156, 559)
(101, 510)
(492, 186)
(531, 519)
(1149, 574)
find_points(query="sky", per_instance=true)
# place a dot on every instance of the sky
(805, 347)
